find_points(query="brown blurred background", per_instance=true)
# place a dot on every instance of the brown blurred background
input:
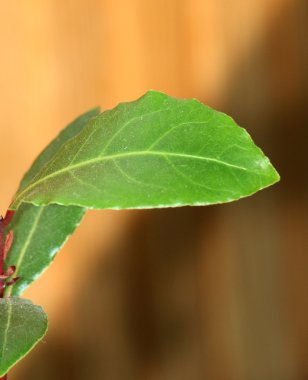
(218, 293)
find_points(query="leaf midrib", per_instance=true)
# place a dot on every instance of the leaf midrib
(121, 155)
(29, 238)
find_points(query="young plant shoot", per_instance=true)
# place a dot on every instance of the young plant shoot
(155, 152)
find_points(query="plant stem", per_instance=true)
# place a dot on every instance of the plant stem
(1, 256)
(2, 225)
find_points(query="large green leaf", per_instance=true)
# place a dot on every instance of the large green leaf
(40, 232)
(22, 326)
(155, 152)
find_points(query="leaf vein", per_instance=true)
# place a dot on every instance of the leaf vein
(132, 179)
(28, 240)
(119, 156)
(87, 184)
(127, 124)
(172, 129)
(183, 175)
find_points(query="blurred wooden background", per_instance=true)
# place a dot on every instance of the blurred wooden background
(215, 293)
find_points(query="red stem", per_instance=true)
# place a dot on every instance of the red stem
(2, 225)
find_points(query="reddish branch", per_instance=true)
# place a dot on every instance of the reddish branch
(2, 244)
(2, 265)
(5, 245)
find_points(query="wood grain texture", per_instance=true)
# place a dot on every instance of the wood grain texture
(240, 303)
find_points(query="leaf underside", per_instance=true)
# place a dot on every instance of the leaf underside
(155, 152)
(39, 233)
(22, 326)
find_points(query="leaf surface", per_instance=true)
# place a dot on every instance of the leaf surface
(48, 153)
(40, 232)
(155, 152)
(22, 326)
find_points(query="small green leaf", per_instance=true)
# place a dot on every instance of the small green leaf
(155, 152)
(39, 233)
(22, 326)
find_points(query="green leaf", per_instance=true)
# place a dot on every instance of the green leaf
(155, 152)
(48, 153)
(39, 233)
(22, 326)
